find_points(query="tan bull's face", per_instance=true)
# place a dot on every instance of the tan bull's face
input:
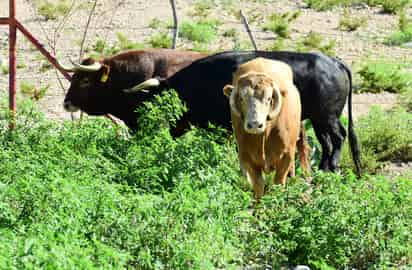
(256, 98)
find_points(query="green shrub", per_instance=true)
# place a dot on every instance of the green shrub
(279, 23)
(321, 5)
(198, 32)
(33, 92)
(350, 23)
(394, 6)
(379, 76)
(90, 196)
(160, 40)
(315, 42)
(384, 136)
(51, 10)
(335, 223)
(403, 35)
(405, 99)
(100, 48)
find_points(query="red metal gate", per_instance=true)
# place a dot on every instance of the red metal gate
(14, 26)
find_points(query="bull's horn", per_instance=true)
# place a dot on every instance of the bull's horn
(278, 106)
(66, 68)
(78, 67)
(87, 68)
(146, 84)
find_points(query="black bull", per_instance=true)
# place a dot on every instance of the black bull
(324, 84)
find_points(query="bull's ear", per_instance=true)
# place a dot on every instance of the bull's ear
(227, 90)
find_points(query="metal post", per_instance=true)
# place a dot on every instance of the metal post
(176, 24)
(12, 61)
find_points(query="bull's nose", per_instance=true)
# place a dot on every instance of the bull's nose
(68, 106)
(254, 127)
(254, 124)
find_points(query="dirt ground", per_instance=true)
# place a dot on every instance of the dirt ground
(132, 18)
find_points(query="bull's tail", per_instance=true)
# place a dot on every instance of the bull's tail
(303, 150)
(353, 141)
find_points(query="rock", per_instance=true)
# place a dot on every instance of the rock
(300, 267)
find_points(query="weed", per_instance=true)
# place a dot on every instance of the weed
(51, 10)
(232, 33)
(350, 23)
(202, 8)
(279, 23)
(403, 35)
(379, 76)
(315, 42)
(384, 136)
(199, 32)
(4, 69)
(86, 196)
(394, 6)
(100, 48)
(33, 92)
(405, 99)
(161, 40)
(155, 23)
(277, 45)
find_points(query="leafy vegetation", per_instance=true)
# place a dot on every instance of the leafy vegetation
(89, 196)
(51, 10)
(160, 40)
(403, 34)
(389, 6)
(279, 23)
(33, 92)
(379, 76)
(100, 48)
(384, 136)
(203, 32)
(315, 42)
(348, 22)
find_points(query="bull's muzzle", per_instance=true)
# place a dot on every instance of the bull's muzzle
(69, 107)
(254, 127)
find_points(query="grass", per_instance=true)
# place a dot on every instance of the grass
(202, 32)
(100, 48)
(382, 75)
(279, 23)
(33, 92)
(388, 6)
(160, 40)
(350, 23)
(52, 10)
(90, 196)
(403, 34)
(384, 137)
(315, 42)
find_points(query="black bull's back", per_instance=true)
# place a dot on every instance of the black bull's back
(323, 83)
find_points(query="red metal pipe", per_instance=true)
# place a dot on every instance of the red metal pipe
(12, 61)
(4, 20)
(41, 48)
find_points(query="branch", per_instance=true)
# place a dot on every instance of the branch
(244, 21)
(87, 28)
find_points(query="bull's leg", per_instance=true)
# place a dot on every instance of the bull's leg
(337, 134)
(282, 168)
(303, 150)
(324, 140)
(255, 176)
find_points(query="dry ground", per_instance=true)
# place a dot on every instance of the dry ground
(132, 18)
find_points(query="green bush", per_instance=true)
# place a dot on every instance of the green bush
(160, 40)
(389, 6)
(90, 196)
(350, 23)
(394, 6)
(50, 10)
(404, 33)
(379, 76)
(279, 23)
(100, 48)
(203, 32)
(405, 99)
(384, 136)
(315, 42)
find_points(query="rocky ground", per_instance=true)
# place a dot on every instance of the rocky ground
(132, 18)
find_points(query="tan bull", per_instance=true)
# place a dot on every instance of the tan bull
(266, 118)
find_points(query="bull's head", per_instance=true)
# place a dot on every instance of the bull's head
(255, 98)
(88, 78)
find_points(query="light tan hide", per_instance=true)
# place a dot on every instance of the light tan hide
(266, 117)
